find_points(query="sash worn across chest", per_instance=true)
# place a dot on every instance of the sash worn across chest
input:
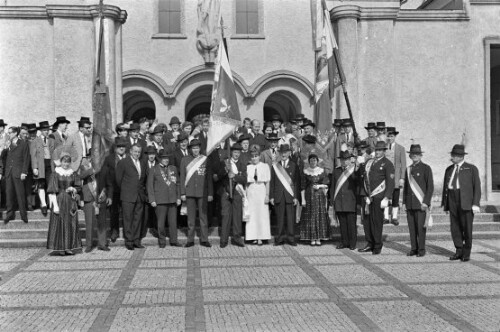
(343, 178)
(380, 188)
(193, 166)
(419, 193)
(284, 178)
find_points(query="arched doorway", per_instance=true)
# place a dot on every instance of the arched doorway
(283, 103)
(136, 105)
(198, 102)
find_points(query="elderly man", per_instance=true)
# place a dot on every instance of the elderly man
(461, 196)
(257, 138)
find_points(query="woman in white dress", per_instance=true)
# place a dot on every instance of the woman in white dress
(258, 227)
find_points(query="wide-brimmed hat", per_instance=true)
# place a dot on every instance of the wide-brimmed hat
(381, 145)
(300, 117)
(84, 119)
(32, 127)
(134, 126)
(363, 145)
(236, 146)
(182, 136)
(346, 122)
(276, 117)
(273, 137)
(371, 125)
(174, 120)
(244, 137)
(121, 142)
(309, 139)
(194, 142)
(344, 155)
(157, 130)
(164, 154)
(458, 149)
(415, 149)
(150, 150)
(337, 123)
(43, 125)
(284, 148)
(392, 130)
(380, 125)
(308, 123)
(3, 124)
(59, 120)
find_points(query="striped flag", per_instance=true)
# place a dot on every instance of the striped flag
(224, 112)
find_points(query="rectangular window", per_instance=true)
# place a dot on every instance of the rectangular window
(247, 17)
(169, 16)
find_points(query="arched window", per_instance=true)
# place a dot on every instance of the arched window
(169, 16)
(247, 17)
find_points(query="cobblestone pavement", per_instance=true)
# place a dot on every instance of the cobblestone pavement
(256, 288)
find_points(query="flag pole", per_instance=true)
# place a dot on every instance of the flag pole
(228, 148)
(99, 46)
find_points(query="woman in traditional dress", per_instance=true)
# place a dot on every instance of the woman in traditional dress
(258, 227)
(63, 235)
(314, 221)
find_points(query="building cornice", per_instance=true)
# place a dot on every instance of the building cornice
(65, 11)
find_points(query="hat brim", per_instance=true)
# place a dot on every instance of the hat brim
(273, 138)
(375, 148)
(368, 128)
(308, 124)
(393, 133)
(192, 145)
(459, 153)
(415, 152)
(44, 127)
(171, 123)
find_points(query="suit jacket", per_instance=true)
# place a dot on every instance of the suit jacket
(399, 161)
(278, 192)
(75, 142)
(260, 140)
(142, 143)
(160, 191)
(345, 201)
(267, 157)
(178, 156)
(109, 166)
(102, 182)
(132, 186)
(203, 141)
(37, 152)
(381, 170)
(55, 140)
(470, 186)
(245, 158)
(422, 173)
(240, 178)
(17, 159)
(199, 184)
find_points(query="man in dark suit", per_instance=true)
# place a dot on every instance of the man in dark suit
(396, 154)
(131, 176)
(417, 195)
(461, 196)
(283, 195)
(164, 195)
(343, 197)
(203, 135)
(216, 162)
(134, 138)
(109, 167)
(196, 191)
(17, 162)
(149, 212)
(379, 184)
(182, 150)
(232, 207)
(257, 138)
(171, 135)
(158, 143)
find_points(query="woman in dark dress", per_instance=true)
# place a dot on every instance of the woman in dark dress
(63, 236)
(314, 221)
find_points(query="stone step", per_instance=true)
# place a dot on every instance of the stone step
(151, 241)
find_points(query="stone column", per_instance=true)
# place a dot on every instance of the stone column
(118, 116)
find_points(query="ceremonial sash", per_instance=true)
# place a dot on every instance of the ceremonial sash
(343, 178)
(284, 178)
(419, 193)
(380, 188)
(367, 179)
(193, 167)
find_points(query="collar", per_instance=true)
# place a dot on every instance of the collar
(313, 171)
(60, 132)
(460, 164)
(234, 161)
(416, 164)
(64, 172)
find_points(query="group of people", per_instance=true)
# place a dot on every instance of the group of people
(156, 174)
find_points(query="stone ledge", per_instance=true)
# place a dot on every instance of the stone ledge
(432, 15)
(51, 11)
(485, 2)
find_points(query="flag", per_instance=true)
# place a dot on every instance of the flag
(102, 134)
(224, 112)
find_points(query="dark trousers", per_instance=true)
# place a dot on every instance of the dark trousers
(232, 214)
(348, 230)
(102, 226)
(150, 220)
(132, 221)
(395, 197)
(91, 221)
(460, 224)
(164, 211)
(375, 224)
(200, 204)
(286, 230)
(14, 191)
(114, 214)
(28, 189)
(416, 222)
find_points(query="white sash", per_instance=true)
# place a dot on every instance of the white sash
(380, 188)
(419, 193)
(284, 178)
(343, 178)
(193, 167)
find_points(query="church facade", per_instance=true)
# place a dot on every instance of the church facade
(431, 69)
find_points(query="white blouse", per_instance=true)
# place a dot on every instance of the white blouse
(263, 172)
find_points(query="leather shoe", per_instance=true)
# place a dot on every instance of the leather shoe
(175, 245)
(376, 252)
(421, 254)
(44, 210)
(237, 243)
(25, 221)
(293, 244)
(411, 253)
(465, 259)
(129, 247)
(113, 237)
(89, 249)
(340, 246)
(386, 221)
(352, 248)
(223, 245)
(455, 257)
(206, 244)
(189, 244)
(366, 249)
(103, 248)
(395, 222)
(139, 246)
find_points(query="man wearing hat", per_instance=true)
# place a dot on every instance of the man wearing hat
(149, 212)
(164, 194)
(271, 155)
(175, 125)
(41, 163)
(284, 190)
(109, 167)
(203, 135)
(244, 141)
(196, 191)
(276, 121)
(121, 130)
(234, 178)
(157, 140)
(144, 125)
(343, 199)
(80, 142)
(461, 196)
(182, 150)
(417, 195)
(379, 185)
(28, 133)
(396, 154)
(381, 133)
(299, 119)
(134, 138)
(58, 135)
(371, 128)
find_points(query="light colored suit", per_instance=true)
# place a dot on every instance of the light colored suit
(398, 157)
(75, 142)
(267, 157)
(38, 156)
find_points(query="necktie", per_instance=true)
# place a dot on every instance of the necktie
(86, 147)
(255, 176)
(455, 178)
(138, 167)
(45, 140)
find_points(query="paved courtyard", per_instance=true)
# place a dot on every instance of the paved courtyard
(254, 288)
